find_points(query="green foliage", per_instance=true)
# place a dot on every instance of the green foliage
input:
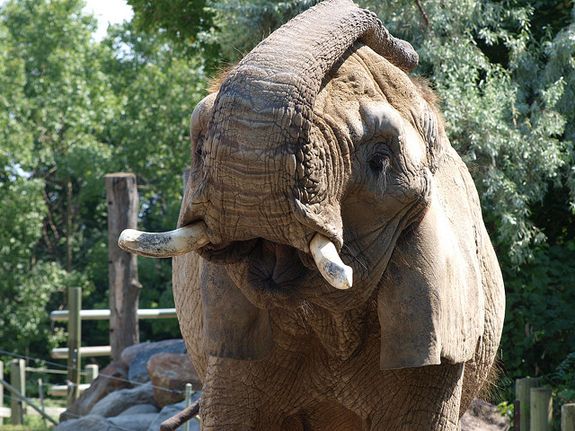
(72, 110)
(46, 95)
(563, 379)
(189, 25)
(181, 20)
(539, 327)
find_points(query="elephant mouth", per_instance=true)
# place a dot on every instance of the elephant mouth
(272, 263)
(228, 252)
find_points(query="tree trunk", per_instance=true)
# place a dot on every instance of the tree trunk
(122, 195)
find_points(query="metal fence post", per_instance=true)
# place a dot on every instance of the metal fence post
(18, 381)
(91, 371)
(74, 341)
(188, 393)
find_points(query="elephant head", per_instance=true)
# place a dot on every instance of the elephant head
(322, 175)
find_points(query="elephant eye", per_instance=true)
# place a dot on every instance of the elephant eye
(378, 163)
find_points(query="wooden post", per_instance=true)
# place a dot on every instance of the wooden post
(122, 195)
(41, 396)
(568, 417)
(523, 395)
(18, 382)
(1, 391)
(541, 409)
(74, 342)
(517, 415)
(91, 371)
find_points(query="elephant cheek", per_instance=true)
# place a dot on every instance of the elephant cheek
(233, 327)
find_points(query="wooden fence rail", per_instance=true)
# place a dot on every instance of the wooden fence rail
(152, 313)
(75, 352)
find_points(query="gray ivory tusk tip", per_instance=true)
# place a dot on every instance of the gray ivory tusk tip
(164, 244)
(330, 265)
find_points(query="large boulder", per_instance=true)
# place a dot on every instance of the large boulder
(169, 373)
(112, 378)
(137, 357)
(118, 401)
(482, 416)
(87, 423)
(136, 422)
(140, 409)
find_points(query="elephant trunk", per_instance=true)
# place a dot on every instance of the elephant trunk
(263, 135)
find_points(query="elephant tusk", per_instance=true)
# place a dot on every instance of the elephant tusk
(330, 265)
(164, 244)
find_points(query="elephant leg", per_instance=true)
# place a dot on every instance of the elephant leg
(226, 403)
(326, 415)
(427, 399)
(246, 396)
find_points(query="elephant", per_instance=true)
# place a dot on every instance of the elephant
(331, 267)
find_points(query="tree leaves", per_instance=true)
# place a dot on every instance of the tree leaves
(73, 110)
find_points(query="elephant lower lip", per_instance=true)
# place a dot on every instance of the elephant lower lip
(229, 252)
(268, 262)
(265, 265)
(288, 266)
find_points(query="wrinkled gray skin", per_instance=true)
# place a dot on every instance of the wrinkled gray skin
(320, 129)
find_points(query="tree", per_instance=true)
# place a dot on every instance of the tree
(55, 103)
(75, 110)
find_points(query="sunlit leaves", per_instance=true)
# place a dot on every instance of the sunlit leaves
(72, 110)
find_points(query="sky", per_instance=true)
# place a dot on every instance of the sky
(108, 12)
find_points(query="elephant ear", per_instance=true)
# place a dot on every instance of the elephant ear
(431, 298)
(233, 327)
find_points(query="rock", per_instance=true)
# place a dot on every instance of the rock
(137, 422)
(87, 423)
(482, 416)
(139, 409)
(169, 411)
(129, 353)
(169, 373)
(118, 401)
(137, 358)
(112, 378)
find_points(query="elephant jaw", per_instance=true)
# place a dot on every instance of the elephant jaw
(275, 266)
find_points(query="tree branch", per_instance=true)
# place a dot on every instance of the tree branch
(423, 13)
(181, 418)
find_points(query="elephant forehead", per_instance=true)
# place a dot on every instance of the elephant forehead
(366, 97)
(380, 119)
(372, 120)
